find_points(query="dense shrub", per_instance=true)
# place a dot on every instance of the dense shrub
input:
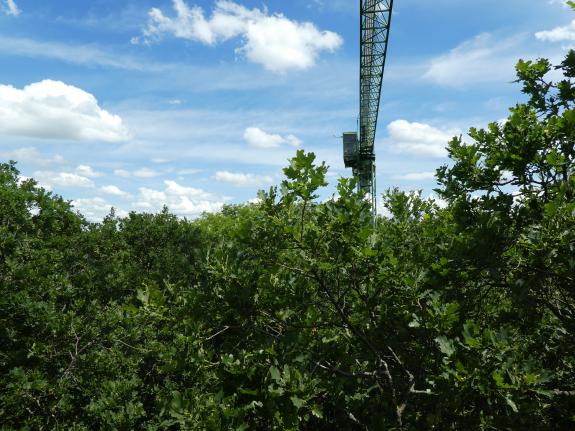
(294, 314)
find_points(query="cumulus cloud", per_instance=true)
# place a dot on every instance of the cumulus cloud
(87, 171)
(183, 201)
(241, 179)
(54, 110)
(419, 139)
(256, 137)
(114, 191)
(483, 59)
(95, 209)
(9, 7)
(273, 41)
(558, 34)
(49, 179)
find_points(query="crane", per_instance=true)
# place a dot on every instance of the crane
(358, 147)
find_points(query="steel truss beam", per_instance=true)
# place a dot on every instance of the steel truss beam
(375, 25)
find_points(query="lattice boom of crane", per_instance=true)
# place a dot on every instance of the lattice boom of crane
(359, 147)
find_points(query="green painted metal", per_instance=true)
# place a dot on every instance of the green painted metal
(375, 17)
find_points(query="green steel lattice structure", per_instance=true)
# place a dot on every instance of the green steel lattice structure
(359, 147)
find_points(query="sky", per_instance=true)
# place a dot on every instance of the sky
(193, 104)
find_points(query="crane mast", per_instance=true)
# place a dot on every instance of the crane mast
(375, 22)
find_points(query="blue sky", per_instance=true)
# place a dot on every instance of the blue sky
(197, 103)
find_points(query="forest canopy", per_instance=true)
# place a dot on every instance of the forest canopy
(294, 314)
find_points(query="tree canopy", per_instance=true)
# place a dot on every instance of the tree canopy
(294, 314)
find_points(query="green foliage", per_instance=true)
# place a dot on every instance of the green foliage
(303, 177)
(295, 314)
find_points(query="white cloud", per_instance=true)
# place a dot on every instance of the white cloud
(10, 8)
(483, 59)
(95, 209)
(190, 171)
(417, 176)
(441, 203)
(183, 201)
(258, 138)
(241, 179)
(274, 41)
(558, 34)
(139, 173)
(32, 156)
(419, 139)
(76, 54)
(280, 44)
(87, 171)
(114, 191)
(23, 178)
(122, 173)
(54, 110)
(50, 179)
(159, 160)
(145, 173)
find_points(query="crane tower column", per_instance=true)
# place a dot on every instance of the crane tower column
(359, 154)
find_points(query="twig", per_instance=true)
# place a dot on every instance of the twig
(218, 333)
(330, 367)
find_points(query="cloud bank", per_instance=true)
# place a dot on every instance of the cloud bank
(419, 139)
(49, 179)
(483, 59)
(181, 200)
(277, 43)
